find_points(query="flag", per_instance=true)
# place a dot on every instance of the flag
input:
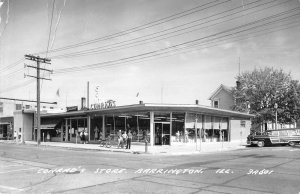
(57, 93)
(137, 94)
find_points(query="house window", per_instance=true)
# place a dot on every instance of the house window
(18, 106)
(51, 107)
(27, 106)
(216, 104)
(243, 124)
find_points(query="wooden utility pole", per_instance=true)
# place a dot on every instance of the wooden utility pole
(38, 91)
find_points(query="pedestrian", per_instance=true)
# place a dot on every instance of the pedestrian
(180, 136)
(186, 135)
(82, 136)
(48, 137)
(86, 136)
(125, 137)
(177, 136)
(120, 139)
(205, 135)
(129, 139)
(96, 130)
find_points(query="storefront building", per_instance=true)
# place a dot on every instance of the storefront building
(159, 124)
(6, 126)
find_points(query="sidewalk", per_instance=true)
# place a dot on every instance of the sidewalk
(139, 148)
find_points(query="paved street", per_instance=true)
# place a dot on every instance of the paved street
(29, 169)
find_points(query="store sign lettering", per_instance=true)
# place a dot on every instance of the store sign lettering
(104, 105)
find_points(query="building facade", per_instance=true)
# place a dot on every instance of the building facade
(11, 119)
(158, 124)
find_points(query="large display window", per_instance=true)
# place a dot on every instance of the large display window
(178, 127)
(138, 123)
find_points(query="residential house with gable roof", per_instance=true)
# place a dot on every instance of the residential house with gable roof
(222, 98)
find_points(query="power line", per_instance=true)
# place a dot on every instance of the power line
(12, 65)
(196, 40)
(143, 41)
(103, 49)
(120, 62)
(193, 49)
(142, 27)
(16, 86)
(50, 28)
(48, 39)
(134, 29)
(147, 58)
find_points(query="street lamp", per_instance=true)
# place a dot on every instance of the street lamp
(275, 106)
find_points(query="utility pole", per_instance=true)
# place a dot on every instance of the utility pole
(38, 78)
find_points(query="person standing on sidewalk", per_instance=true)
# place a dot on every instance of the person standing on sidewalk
(120, 139)
(129, 139)
(48, 137)
(86, 136)
(125, 137)
(82, 136)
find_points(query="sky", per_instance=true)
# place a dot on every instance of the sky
(155, 51)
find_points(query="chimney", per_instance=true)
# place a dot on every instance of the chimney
(197, 102)
(141, 102)
(238, 85)
(83, 101)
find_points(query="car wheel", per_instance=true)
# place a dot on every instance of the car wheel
(261, 144)
(291, 143)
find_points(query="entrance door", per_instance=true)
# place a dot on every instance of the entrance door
(166, 134)
(161, 133)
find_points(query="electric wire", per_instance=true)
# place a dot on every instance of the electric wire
(122, 62)
(134, 29)
(290, 10)
(50, 29)
(17, 86)
(141, 27)
(168, 54)
(10, 66)
(135, 61)
(146, 41)
(196, 40)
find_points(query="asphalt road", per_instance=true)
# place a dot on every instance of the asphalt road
(31, 169)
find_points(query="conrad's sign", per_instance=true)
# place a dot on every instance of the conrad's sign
(104, 105)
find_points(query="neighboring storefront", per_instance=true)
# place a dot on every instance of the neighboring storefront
(159, 124)
(6, 128)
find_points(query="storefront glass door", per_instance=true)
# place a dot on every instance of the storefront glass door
(162, 133)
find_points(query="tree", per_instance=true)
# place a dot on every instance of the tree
(258, 92)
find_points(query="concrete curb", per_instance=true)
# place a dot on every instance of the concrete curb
(165, 152)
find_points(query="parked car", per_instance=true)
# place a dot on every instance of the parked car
(272, 137)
